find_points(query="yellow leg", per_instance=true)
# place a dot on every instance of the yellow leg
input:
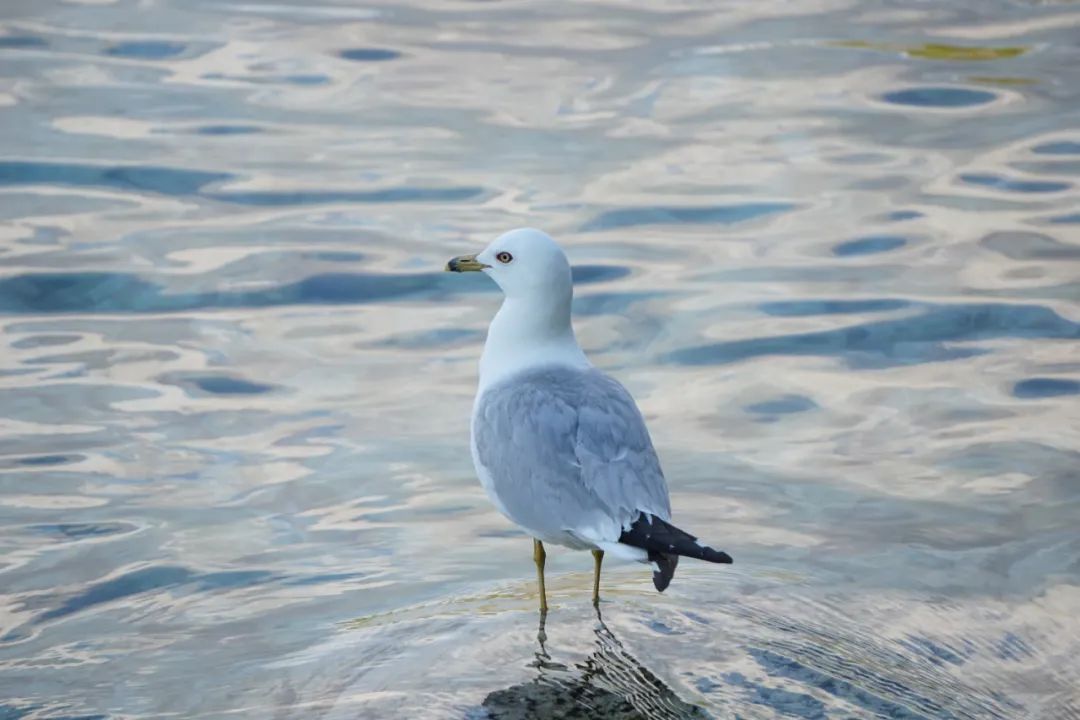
(539, 556)
(598, 556)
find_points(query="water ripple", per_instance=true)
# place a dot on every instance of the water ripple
(370, 54)
(869, 245)
(146, 178)
(146, 50)
(834, 261)
(940, 97)
(125, 293)
(924, 337)
(1012, 185)
(717, 214)
(1046, 387)
(181, 183)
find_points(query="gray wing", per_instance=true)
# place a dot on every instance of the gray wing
(568, 451)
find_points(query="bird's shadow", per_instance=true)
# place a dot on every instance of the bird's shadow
(610, 684)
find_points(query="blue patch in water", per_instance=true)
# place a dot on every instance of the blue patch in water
(10, 712)
(1034, 388)
(803, 308)
(780, 666)
(1059, 147)
(21, 42)
(65, 292)
(935, 652)
(369, 54)
(319, 197)
(1013, 648)
(941, 97)
(228, 130)
(91, 292)
(1023, 186)
(1065, 219)
(47, 460)
(715, 214)
(926, 337)
(788, 703)
(132, 583)
(232, 579)
(332, 289)
(162, 180)
(706, 685)
(901, 215)
(36, 341)
(869, 245)
(78, 531)
(146, 50)
(151, 579)
(597, 273)
(223, 385)
(783, 405)
(306, 79)
(178, 182)
(660, 627)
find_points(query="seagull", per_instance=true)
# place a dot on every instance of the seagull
(561, 448)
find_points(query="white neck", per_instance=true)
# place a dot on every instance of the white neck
(528, 333)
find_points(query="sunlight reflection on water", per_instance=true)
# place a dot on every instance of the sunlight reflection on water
(830, 248)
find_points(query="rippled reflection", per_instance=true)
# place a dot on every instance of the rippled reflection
(610, 684)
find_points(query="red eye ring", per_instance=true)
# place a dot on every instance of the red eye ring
(504, 257)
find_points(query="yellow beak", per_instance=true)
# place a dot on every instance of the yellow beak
(465, 263)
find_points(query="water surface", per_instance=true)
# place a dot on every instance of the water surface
(831, 247)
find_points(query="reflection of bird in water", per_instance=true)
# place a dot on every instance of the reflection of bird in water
(560, 447)
(610, 685)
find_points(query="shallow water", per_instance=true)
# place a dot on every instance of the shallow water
(831, 247)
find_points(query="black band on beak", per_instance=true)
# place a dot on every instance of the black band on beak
(465, 263)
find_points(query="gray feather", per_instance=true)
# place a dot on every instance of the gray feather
(567, 450)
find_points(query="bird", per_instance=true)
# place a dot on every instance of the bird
(561, 448)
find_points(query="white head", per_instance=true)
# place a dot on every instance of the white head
(533, 325)
(525, 263)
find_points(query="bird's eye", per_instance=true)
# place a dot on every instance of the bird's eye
(504, 257)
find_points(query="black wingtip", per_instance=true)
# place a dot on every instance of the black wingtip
(665, 569)
(717, 556)
(658, 536)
